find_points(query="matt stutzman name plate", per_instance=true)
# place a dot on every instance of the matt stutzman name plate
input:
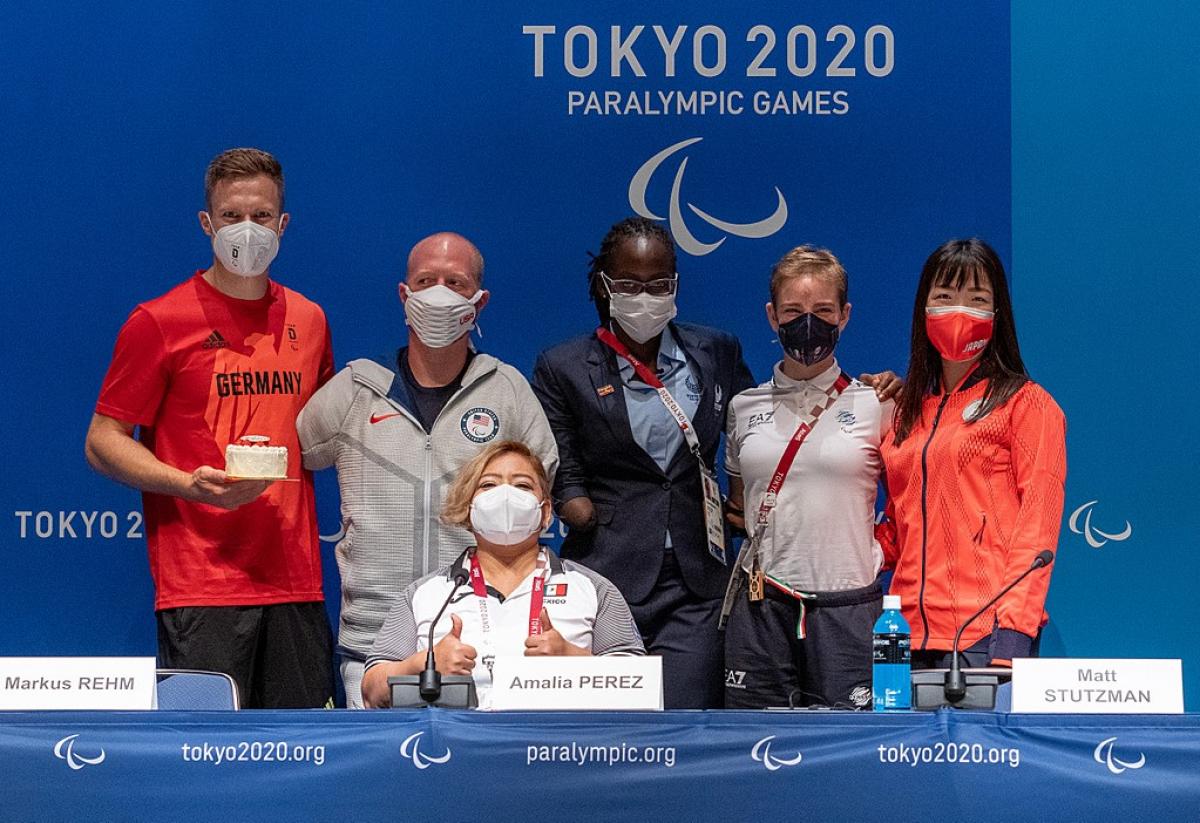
(1097, 686)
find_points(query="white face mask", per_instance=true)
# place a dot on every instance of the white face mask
(245, 248)
(642, 316)
(440, 315)
(505, 515)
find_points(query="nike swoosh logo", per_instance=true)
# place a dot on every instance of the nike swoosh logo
(376, 418)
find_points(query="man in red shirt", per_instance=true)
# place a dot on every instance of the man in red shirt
(226, 354)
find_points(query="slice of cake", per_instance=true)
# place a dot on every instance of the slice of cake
(252, 458)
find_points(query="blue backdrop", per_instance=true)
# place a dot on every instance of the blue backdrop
(882, 129)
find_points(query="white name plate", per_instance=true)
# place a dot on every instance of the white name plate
(76, 683)
(608, 682)
(1045, 685)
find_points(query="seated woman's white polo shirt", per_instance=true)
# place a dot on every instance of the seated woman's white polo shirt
(584, 607)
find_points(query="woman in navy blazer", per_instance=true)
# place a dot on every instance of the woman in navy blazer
(628, 485)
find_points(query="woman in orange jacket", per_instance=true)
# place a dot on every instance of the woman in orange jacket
(976, 467)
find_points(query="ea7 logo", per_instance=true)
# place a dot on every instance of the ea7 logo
(65, 750)
(735, 679)
(761, 753)
(1104, 756)
(1094, 537)
(683, 235)
(411, 749)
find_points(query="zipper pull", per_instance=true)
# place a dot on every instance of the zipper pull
(982, 526)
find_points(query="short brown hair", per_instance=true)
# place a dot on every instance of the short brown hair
(810, 261)
(234, 163)
(456, 511)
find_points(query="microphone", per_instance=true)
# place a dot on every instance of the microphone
(430, 684)
(956, 682)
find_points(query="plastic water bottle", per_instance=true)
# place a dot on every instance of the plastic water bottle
(891, 679)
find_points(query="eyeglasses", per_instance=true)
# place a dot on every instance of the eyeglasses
(658, 288)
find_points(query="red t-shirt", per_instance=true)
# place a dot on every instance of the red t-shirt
(196, 370)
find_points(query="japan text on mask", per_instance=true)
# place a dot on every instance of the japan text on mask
(440, 315)
(959, 333)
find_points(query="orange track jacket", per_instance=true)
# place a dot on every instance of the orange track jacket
(970, 506)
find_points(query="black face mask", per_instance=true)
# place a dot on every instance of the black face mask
(808, 338)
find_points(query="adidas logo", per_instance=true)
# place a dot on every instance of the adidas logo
(214, 341)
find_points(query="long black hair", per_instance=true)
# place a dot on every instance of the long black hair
(949, 266)
(628, 228)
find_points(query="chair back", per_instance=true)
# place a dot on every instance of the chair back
(188, 690)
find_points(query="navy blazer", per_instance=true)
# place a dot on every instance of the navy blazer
(579, 386)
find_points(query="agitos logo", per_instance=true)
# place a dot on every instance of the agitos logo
(679, 228)
(761, 753)
(411, 749)
(65, 750)
(1103, 755)
(1094, 537)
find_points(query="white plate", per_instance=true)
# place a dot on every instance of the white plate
(282, 478)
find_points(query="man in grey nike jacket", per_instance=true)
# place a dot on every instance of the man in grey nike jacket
(398, 431)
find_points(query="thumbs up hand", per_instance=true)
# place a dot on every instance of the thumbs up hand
(453, 655)
(550, 643)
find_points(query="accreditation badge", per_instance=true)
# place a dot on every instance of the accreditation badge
(714, 516)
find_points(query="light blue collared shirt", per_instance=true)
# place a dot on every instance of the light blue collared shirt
(654, 429)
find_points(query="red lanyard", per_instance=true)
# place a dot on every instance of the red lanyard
(651, 379)
(714, 524)
(789, 454)
(535, 596)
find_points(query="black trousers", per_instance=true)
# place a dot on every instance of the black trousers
(681, 627)
(977, 656)
(766, 665)
(280, 656)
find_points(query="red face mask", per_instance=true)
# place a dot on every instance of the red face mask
(957, 332)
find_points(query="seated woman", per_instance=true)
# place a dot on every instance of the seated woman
(521, 598)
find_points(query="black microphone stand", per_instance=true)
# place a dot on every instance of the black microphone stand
(429, 685)
(932, 689)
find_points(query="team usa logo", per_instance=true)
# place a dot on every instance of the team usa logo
(480, 425)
